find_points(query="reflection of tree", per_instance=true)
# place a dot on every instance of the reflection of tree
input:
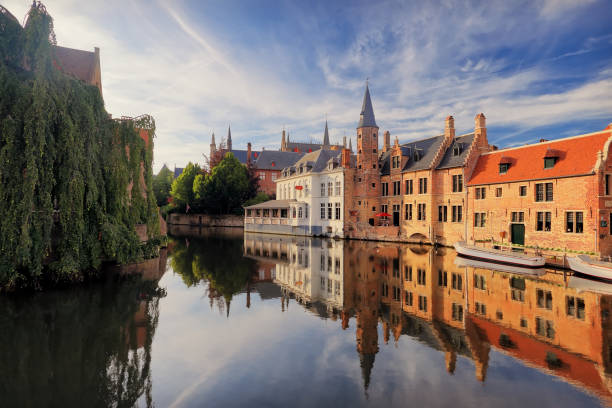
(213, 260)
(83, 347)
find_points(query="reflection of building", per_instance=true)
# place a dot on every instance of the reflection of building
(464, 311)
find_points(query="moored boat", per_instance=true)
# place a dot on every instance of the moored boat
(586, 265)
(497, 256)
(521, 270)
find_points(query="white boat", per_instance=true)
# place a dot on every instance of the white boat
(581, 284)
(497, 256)
(521, 270)
(586, 265)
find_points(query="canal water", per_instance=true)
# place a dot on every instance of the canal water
(233, 319)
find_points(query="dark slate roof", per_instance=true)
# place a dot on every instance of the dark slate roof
(274, 160)
(366, 118)
(427, 149)
(241, 155)
(318, 159)
(178, 171)
(449, 160)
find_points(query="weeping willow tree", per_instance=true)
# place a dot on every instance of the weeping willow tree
(73, 182)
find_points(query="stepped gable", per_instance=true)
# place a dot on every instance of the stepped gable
(275, 160)
(425, 148)
(456, 158)
(576, 155)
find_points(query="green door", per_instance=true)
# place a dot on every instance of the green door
(517, 234)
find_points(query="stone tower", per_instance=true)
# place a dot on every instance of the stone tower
(367, 184)
(283, 142)
(229, 139)
(213, 146)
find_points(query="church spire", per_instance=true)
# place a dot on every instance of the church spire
(351, 144)
(229, 138)
(213, 145)
(366, 118)
(326, 136)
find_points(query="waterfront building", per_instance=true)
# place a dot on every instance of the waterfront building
(310, 198)
(553, 194)
(268, 166)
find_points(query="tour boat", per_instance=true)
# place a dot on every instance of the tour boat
(586, 265)
(520, 270)
(497, 256)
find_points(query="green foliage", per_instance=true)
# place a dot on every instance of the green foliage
(74, 181)
(182, 187)
(259, 198)
(162, 184)
(224, 189)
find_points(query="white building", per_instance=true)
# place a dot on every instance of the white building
(310, 199)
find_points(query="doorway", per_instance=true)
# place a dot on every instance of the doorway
(517, 234)
(396, 215)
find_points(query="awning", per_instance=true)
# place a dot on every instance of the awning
(383, 214)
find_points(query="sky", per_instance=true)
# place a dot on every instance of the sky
(536, 69)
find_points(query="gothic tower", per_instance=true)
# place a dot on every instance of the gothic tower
(213, 146)
(367, 185)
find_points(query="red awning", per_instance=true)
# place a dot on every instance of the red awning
(299, 187)
(383, 214)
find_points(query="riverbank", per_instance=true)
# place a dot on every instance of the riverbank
(206, 220)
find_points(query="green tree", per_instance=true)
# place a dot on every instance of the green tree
(162, 184)
(224, 189)
(182, 187)
(261, 197)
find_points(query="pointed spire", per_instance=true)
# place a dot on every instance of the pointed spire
(366, 118)
(344, 141)
(213, 138)
(366, 361)
(351, 144)
(229, 138)
(326, 135)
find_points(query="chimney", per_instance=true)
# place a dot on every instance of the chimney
(249, 152)
(387, 141)
(449, 128)
(346, 158)
(480, 129)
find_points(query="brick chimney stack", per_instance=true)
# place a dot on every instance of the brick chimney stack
(449, 128)
(480, 129)
(346, 158)
(249, 152)
(387, 141)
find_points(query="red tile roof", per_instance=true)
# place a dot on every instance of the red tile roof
(576, 155)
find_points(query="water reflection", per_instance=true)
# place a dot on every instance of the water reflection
(546, 319)
(81, 347)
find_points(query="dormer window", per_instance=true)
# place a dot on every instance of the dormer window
(457, 149)
(504, 164)
(550, 158)
(417, 155)
(395, 162)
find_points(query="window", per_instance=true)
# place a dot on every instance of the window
(385, 290)
(408, 187)
(421, 212)
(396, 188)
(574, 222)
(293, 212)
(337, 188)
(498, 192)
(481, 308)
(457, 312)
(442, 213)
(499, 315)
(337, 206)
(544, 299)
(457, 183)
(300, 212)
(322, 211)
(503, 168)
(395, 162)
(574, 306)
(373, 185)
(543, 222)
(545, 328)
(457, 213)
(329, 211)
(480, 282)
(322, 189)
(385, 189)
(518, 216)
(422, 186)
(457, 282)
(544, 192)
(421, 276)
(423, 303)
(522, 191)
(549, 162)
(330, 189)
(408, 214)
(396, 268)
(480, 193)
(408, 273)
(480, 219)
(373, 150)
(523, 322)
(408, 298)
(397, 293)
(442, 278)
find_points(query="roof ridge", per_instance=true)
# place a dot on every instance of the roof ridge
(549, 141)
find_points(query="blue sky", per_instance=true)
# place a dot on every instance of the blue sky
(537, 69)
